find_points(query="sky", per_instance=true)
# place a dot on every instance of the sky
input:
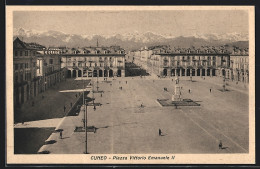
(175, 23)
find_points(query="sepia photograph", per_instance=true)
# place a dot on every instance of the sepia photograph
(130, 85)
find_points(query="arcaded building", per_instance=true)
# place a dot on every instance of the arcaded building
(190, 62)
(94, 62)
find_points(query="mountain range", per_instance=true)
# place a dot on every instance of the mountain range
(130, 41)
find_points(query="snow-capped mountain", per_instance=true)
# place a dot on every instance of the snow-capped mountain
(128, 40)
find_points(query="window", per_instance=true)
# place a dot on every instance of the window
(26, 65)
(26, 53)
(16, 78)
(21, 66)
(21, 77)
(15, 53)
(16, 67)
(21, 53)
(51, 61)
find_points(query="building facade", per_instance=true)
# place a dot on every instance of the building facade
(33, 71)
(94, 62)
(165, 61)
(239, 64)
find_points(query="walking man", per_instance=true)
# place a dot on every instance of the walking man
(220, 144)
(60, 134)
(189, 90)
(160, 132)
(210, 90)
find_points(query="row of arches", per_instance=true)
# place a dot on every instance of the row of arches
(189, 72)
(94, 73)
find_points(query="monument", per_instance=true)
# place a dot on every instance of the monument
(177, 92)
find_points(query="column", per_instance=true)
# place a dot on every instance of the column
(200, 72)
(169, 72)
(196, 73)
(20, 95)
(180, 72)
(123, 72)
(210, 72)
(36, 91)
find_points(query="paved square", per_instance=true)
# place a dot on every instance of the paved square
(123, 127)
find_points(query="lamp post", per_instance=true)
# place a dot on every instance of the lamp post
(86, 128)
(86, 117)
(83, 102)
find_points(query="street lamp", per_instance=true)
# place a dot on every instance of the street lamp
(86, 117)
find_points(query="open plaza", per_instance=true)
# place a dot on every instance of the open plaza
(128, 120)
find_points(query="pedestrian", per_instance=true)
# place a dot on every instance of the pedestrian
(160, 132)
(110, 84)
(60, 134)
(210, 90)
(70, 104)
(94, 108)
(220, 144)
(176, 106)
(153, 81)
(189, 90)
(101, 94)
(125, 82)
(76, 95)
(172, 80)
(64, 108)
